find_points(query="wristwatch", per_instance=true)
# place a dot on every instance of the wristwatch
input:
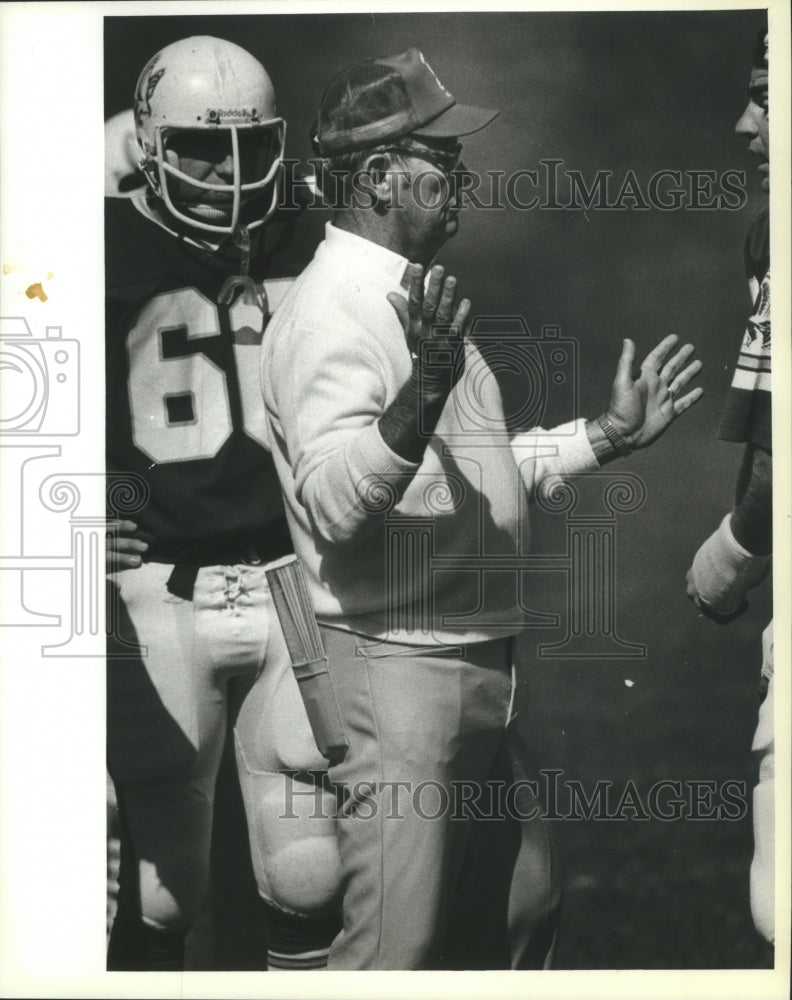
(618, 442)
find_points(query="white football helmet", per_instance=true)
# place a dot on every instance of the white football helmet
(208, 86)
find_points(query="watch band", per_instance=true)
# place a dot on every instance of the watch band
(618, 442)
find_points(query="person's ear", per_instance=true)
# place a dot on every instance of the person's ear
(381, 170)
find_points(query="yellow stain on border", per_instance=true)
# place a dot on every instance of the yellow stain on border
(36, 292)
(23, 272)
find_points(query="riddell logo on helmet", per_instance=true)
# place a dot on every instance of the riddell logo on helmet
(216, 114)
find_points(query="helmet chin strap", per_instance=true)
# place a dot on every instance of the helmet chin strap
(242, 281)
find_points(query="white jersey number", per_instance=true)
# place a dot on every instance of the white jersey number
(193, 382)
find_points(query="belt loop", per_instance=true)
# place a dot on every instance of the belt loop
(251, 556)
(181, 582)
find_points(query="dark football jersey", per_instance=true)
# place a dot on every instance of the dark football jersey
(756, 251)
(184, 407)
(747, 416)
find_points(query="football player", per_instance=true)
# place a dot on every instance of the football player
(195, 639)
(737, 555)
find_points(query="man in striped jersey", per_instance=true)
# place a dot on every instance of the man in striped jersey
(736, 557)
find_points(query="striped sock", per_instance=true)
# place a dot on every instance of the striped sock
(295, 943)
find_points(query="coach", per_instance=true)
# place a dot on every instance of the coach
(401, 512)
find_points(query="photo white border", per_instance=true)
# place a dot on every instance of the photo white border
(52, 712)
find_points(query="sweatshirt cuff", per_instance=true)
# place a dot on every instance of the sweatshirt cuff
(564, 450)
(372, 465)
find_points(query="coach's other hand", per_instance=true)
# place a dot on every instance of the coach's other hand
(124, 546)
(642, 408)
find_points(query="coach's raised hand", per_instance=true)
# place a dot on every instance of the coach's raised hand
(434, 331)
(435, 335)
(642, 408)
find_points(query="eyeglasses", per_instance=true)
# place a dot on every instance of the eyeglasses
(446, 163)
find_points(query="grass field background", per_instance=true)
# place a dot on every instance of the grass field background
(656, 894)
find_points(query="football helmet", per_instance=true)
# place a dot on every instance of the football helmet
(208, 101)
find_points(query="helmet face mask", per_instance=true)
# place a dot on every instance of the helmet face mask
(211, 139)
(242, 162)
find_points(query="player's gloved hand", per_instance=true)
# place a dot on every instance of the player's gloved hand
(723, 572)
(125, 545)
(434, 331)
(642, 409)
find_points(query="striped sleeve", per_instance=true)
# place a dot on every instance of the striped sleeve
(747, 414)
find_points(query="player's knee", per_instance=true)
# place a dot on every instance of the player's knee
(762, 908)
(293, 841)
(763, 861)
(304, 876)
(173, 906)
(763, 890)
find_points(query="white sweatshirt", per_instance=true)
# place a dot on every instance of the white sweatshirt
(425, 553)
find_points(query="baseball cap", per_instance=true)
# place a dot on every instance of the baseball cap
(380, 99)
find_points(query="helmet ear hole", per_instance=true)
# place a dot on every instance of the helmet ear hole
(144, 158)
(147, 163)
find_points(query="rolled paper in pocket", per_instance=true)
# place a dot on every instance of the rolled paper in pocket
(293, 605)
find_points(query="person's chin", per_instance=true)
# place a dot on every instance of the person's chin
(764, 170)
(442, 233)
(451, 225)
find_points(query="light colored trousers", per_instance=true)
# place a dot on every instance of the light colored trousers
(166, 722)
(763, 863)
(426, 886)
(420, 892)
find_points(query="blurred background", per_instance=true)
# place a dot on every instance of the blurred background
(617, 92)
